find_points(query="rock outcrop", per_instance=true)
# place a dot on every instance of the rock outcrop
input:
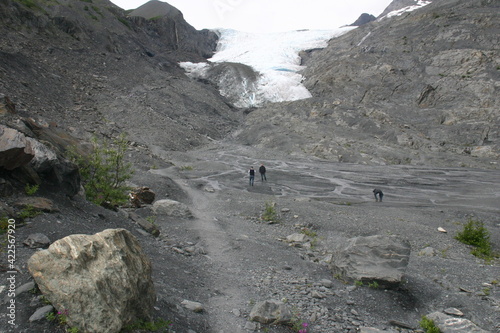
(102, 281)
(417, 89)
(373, 259)
(34, 153)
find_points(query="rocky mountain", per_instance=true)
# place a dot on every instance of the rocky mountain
(85, 65)
(395, 94)
(419, 89)
(363, 19)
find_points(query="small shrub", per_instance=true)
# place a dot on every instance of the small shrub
(31, 189)
(428, 325)
(475, 233)
(104, 172)
(373, 285)
(270, 214)
(309, 232)
(28, 212)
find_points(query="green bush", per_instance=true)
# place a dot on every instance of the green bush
(270, 214)
(104, 172)
(475, 233)
(31, 189)
(428, 325)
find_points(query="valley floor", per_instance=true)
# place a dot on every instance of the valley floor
(227, 258)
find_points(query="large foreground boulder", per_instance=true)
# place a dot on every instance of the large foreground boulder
(102, 281)
(381, 259)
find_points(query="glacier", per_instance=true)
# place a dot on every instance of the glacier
(273, 56)
(270, 64)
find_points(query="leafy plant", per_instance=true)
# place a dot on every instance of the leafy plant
(31, 189)
(308, 232)
(475, 233)
(104, 172)
(28, 212)
(373, 285)
(270, 214)
(428, 325)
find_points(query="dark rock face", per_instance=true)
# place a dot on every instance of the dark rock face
(168, 23)
(96, 71)
(413, 89)
(363, 19)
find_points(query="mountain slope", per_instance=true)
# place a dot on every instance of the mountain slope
(89, 67)
(421, 88)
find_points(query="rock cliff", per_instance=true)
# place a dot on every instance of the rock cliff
(420, 89)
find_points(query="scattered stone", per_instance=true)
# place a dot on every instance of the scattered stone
(193, 306)
(103, 280)
(144, 195)
(37, 203)
(41, 313)
(427, 252)
(401, 324)
(442, 230)
(326, 283)
(270, 311)
(454, 312)
(144, 224)
(171, 208)
(296, 238)
(37, 240)
(448, 324)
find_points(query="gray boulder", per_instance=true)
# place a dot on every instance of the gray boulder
(381, 259)
(15, 149)
(171, 208)
(102, 281)
(450, 324)
(271, 311)
(37, 240)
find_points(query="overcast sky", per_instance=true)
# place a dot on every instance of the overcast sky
(269, 15)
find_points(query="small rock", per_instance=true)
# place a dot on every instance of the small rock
(41, 313)
(193, 306)
(454, 312)
(299, 238)
(326, 283)
(37, 240)
(442, 230)
(427, 252)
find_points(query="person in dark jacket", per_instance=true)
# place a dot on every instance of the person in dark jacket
(252, 176)
(378, 193)
(262, 171)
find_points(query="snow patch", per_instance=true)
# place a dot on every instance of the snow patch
(419, 4)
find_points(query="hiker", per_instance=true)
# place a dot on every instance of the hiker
(252, 175)
(379, 193)
(262, 171)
